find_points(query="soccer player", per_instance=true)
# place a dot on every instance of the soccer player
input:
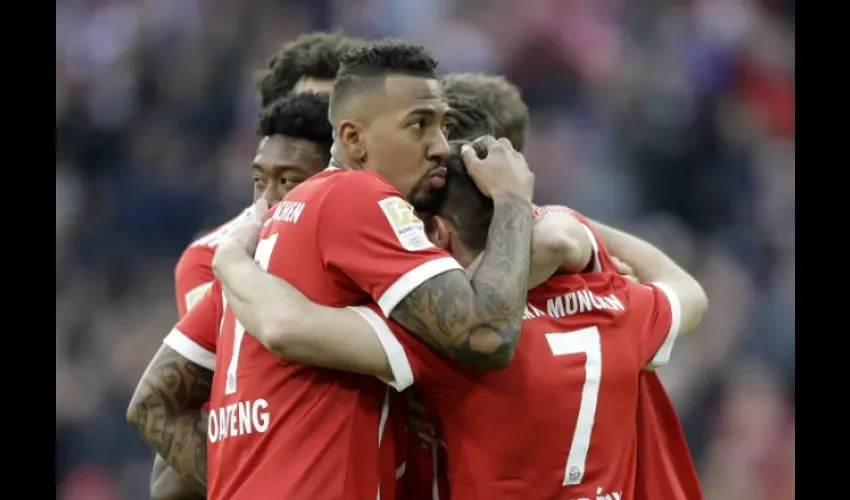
(295, 144)
(481, 104)
(306, 64)
(559, 421)
(325, 429)
(490, 104)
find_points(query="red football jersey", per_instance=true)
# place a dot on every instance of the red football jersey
(195, 335)
(193, 274)
(559, 422)
(665, 468)
(426, 473)
(286, 430)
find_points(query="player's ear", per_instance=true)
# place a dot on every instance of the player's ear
(352, 140)
(440, 232)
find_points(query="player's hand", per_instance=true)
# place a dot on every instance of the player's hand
(502, 172)
(624, 270)
(243, 234)
(418, 423)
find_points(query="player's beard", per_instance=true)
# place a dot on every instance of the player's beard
(425, 199)
(424, 195)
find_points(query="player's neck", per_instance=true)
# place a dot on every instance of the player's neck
(337, 163)
(469, 259)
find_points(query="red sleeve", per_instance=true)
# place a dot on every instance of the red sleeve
(661, 322)
(370, 233)
(195, 335)
(411, 361)
(193, 276)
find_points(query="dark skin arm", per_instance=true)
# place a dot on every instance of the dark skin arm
(166, 410)
(477, 320)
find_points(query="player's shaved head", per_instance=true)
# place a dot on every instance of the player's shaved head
(363, 70)
(479, 99)
(310, 58)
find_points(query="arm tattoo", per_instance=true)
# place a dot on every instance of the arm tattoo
(477, 320)
(166, 410)
(168, 484)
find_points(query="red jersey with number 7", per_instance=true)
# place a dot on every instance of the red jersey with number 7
(559, 422)
(284, 430)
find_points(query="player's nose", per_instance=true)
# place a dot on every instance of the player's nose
(439, 149)
(274, 194)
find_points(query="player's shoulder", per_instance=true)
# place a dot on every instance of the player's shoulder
(194, 267)
(194, 257)
(362, 179)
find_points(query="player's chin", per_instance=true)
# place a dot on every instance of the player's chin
(420, 197)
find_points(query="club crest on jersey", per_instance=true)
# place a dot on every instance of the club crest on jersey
(408, 228)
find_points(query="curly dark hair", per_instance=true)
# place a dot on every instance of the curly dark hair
(364, 65)
(471, 94)
(303, 115)
(313, 55)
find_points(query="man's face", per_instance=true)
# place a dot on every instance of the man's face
(405, 139)
(282, 163)
(310, 84)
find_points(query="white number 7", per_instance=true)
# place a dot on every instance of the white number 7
(584, 341)
(262, 257)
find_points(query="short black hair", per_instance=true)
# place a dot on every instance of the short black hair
(365, 65)
(500, 101)
(303, 115)
(314, 55)
(461, 202)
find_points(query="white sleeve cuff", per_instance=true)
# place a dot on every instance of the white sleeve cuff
(597, 265)
(190, 349)
(399, 364)
(412, 279)
(662, 356)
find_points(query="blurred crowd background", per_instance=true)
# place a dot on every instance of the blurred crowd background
(672, 119)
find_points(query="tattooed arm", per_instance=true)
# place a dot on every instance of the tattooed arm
(166, 410)
(474, 319)
(477, 320)
(290, 325)
(167, 484)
